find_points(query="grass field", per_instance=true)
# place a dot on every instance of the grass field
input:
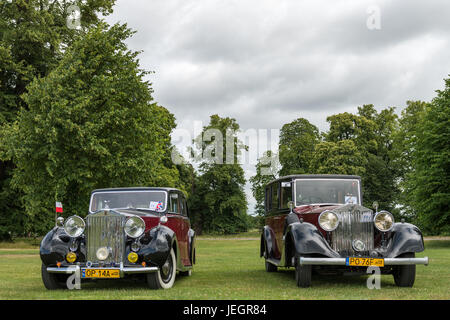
(226, 269)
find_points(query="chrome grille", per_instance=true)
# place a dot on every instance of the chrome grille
(105, 229)
(355, 223)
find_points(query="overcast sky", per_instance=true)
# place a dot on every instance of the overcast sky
(268, 62)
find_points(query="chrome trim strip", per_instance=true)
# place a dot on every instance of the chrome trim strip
(342, 261)
(123, 270)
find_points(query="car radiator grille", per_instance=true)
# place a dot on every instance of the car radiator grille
(105, 229)
(355, 223)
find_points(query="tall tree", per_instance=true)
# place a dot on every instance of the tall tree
(371, 133)
(342, 157)
(220, 204)
(404, 147)
(33, 37)
(431, 162)
(90, 123)
(266, 171)
(297, 141)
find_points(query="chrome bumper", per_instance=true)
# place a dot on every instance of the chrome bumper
(123, 270)
(343, 261)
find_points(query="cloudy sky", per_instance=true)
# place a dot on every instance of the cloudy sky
(268, 62)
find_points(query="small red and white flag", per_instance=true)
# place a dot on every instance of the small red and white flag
(59, 207)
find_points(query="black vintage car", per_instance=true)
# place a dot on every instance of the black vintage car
(141, 232)
(317, 222)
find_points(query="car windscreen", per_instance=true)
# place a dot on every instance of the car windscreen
(316, 191)
(151, 200)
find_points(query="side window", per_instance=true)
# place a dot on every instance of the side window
(274, 204)
(173, 205)
(183, 206)
(267, 199)
(285, 194)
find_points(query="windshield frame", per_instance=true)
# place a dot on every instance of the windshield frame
(129, 191)
(325, 179)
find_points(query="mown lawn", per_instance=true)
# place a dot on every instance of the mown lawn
(228, 269)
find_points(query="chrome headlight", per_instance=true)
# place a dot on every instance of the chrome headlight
(134, 227)
(74, 226)
(328, 220)
(384, 221)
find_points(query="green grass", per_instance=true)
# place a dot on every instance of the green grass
(228, 269)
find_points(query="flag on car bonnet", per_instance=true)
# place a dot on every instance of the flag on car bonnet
(59, 207)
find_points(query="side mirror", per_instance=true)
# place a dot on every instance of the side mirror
(375, 205)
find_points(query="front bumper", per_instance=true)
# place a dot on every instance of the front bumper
(122, 270)
(343, 261)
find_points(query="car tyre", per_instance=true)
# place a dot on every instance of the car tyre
(404, 276)
(269, 266)
(164, 278)
(52, 281)
(303, 274)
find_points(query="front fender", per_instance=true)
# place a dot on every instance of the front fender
(307, 240)
(55, 245)
(268, 239)
(405, 237)
(157, 244)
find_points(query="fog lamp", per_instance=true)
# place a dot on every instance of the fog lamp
(358, 245)
(102, 253)
(71, 257)
(133, 257)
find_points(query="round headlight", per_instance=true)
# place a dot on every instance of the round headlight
(328, 220)
(74, 226)
(384, 221)
(134, 227)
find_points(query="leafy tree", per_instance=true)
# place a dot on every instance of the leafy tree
(342, 157)
(404, 147)
(33, 38)
(372, 134)
(296, 146)
(431, 163)
(90, 123)
(266, 171)
(219, 202)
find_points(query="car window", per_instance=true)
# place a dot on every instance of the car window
(275, 196)
(174, 203)
(183, 206)
(285, 194)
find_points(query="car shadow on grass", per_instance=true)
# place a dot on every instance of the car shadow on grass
(327, 280)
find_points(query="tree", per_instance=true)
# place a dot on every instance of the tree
(372, 134)
(33, 38)
(266, 171)
(342, 157)
(90, 123)
(297, 141)
(404, 147)
(219, 202)
(431, 162)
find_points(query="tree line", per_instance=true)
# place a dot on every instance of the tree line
(76, 114)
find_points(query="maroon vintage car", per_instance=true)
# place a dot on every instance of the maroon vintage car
(318, 222)
(128, 232)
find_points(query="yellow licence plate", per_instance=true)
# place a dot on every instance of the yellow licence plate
(364, 262)
(100, 273)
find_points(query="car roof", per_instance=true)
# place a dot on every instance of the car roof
(315, 176)
(136, 189)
